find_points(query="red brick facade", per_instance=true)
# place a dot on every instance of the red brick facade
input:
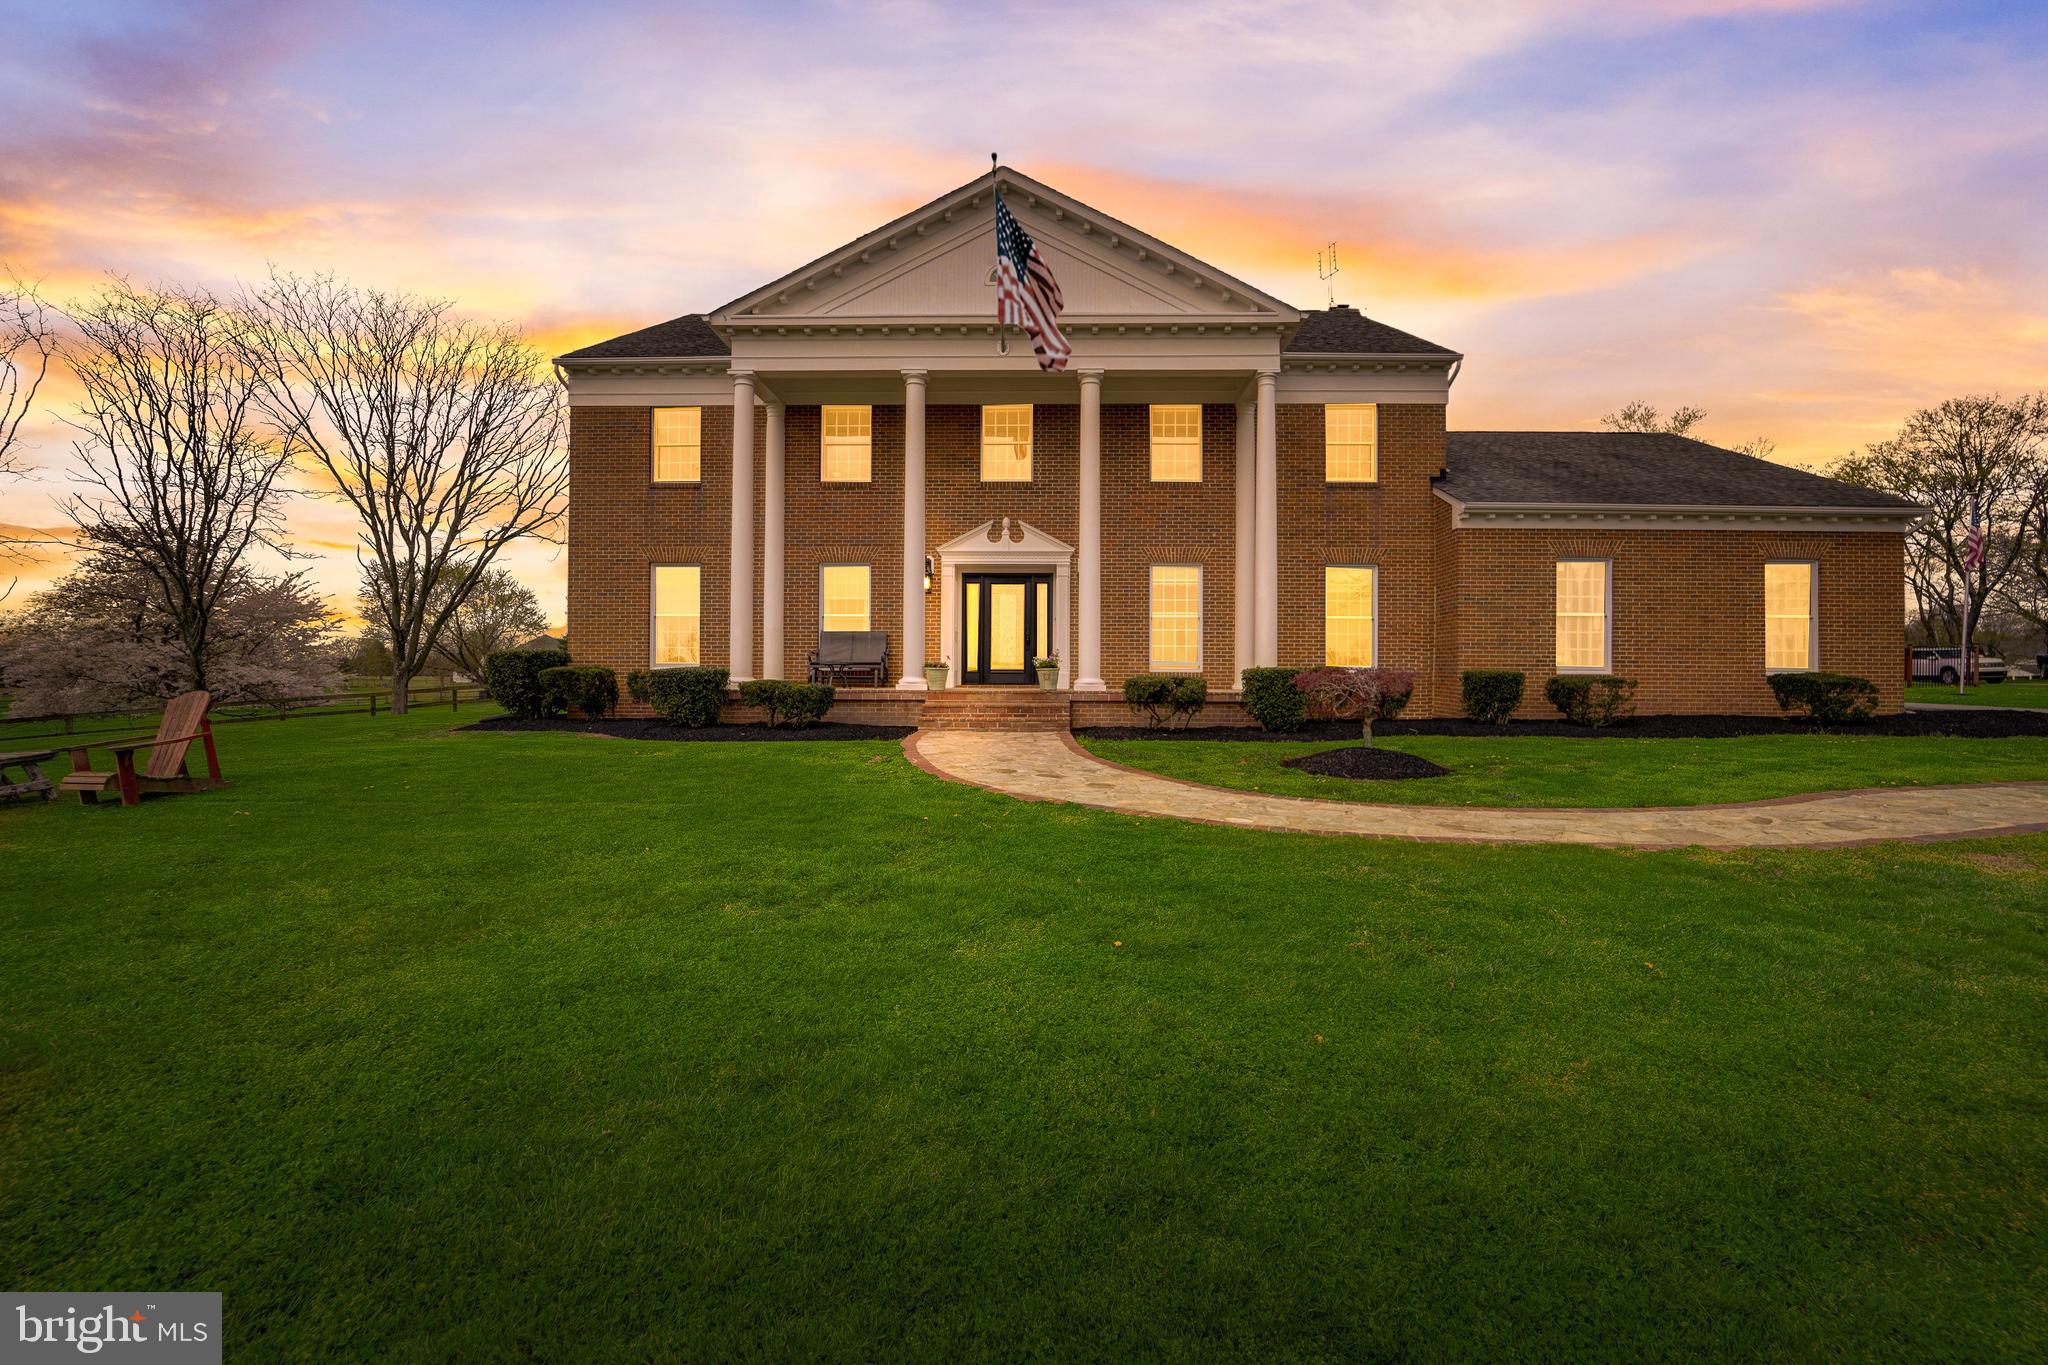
(1687, 605)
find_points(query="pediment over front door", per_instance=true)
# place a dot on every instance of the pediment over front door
(1001, 538)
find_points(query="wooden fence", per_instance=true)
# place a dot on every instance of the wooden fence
(350, 703)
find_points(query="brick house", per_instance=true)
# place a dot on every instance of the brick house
(1219, 480)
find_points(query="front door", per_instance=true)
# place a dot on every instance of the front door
(1007, 623)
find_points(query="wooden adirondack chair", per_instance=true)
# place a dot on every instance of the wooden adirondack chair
(184, 721)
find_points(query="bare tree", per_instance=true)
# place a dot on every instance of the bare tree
(1977, 447)
(28, 339)
(444, 435)
(499, 613)
(181, 477)
(1640, 416)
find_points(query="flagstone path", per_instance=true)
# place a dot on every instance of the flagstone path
(1038, 766)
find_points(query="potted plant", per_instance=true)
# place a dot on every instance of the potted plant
(935, 673)
(1048, 671)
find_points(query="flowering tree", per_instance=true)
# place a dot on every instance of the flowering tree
(1364, 694)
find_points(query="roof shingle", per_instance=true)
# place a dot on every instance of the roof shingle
(1619, 468)
(684, 336)
(1343, 330)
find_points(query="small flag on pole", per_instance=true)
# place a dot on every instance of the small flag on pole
(1027, 295)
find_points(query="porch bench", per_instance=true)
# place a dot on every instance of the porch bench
(850, 656)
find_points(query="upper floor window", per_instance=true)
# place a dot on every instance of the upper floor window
(1351, 442)
(843, 597)
(1176, 616)
(1789, 616)
(848, 444)
(678, 612)
(1176, 443)
(1584, 609)
(1006, 443)
(678, 445)
(1350, 612)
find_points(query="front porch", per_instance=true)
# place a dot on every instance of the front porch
(994, 708)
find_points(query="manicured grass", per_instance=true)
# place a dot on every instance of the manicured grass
(2029, 693)
(1531, 771)
(421, 1045)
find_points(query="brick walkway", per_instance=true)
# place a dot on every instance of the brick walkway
(1052, 767)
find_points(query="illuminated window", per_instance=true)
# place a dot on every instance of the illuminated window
(1582, 612)
(1789, 616)
(678, 445)
(1176, 443)
(1177, 616)
(1349, 640)
(1006, 443)
(843, 597)
(678, 608)
(1351, 439)
(848, 444)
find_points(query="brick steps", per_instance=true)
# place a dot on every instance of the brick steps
(995, 708)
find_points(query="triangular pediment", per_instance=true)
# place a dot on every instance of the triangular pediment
(939, 261)
(1006, 534)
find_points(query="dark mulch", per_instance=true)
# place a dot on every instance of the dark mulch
(661, 729)
(1367, 765)
(1960, 724)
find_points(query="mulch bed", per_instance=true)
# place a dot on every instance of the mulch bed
(1367, 765)
(1960, 724)
(661, 729)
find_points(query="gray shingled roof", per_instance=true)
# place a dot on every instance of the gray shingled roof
(1343, 330)
(683, 336)
(1610, 468)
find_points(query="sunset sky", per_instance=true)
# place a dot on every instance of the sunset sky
(1807, 218)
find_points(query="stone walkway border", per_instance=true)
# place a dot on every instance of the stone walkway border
(1054, 767)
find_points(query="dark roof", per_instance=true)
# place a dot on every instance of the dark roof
(686, 335)
(1343, 330)
(1608, 468)
(542, 643)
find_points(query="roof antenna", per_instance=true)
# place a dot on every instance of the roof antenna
(1328, 274)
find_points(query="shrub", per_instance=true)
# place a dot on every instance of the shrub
(687, 696)
(637, 684)
(580, 687)
(513, 677)
(1272, 699)
(1166, 697)
(1490, 695)
(1829, 698)
(1591, 698)
(1363, 694)
(793, 703)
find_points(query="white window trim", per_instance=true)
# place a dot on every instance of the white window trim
(1151, 452)
(1606, 616)
(1812, 617)
(1201, 620)
(1353, 483)
(654, 450)
(981, 443)
(654, 612)
(846, 564)
(1374, 570)
(823, 477)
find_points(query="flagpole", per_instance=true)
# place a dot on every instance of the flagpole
(1002, 338)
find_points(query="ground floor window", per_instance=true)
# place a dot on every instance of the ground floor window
(843, 597)
(678, 615)
(1176, 616)
(1790, 616)
(1583, 615)
(1350, 616)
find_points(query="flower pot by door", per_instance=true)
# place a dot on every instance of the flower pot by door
(935, 676)
(1049, 678)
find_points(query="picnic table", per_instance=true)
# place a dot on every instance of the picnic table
(33, 783)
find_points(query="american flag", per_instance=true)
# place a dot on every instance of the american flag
(1027, 295)
(1973, 544)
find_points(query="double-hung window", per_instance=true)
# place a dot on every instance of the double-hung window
(1350, 616)
(678, 445)
(843, 597)
(847, 444)
(1584, 610)
(1177, 617)
(1006, 443)
(678, 611)
(1790, 619)
(1351, 442)
(1176, 443)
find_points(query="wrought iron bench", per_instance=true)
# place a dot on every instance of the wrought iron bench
(847, 656)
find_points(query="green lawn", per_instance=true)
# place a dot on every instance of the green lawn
(2028, 693)
(1540, 771)
(424, 1046)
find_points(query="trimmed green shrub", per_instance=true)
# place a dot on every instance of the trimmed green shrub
(1829, 698)
(637, 684)
(687, 696)
(1272, 699)
(1490, 695)
(1591, 698)
(1166, 697)
(788, 703)
(588, 688)
(513, 677)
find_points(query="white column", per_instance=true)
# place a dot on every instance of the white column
(739, 651)
(913, 532)
(1089, 665)
(1247, 589)
(1266, 515)
(771, 548)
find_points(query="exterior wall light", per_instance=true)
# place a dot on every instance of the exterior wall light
(927, 573)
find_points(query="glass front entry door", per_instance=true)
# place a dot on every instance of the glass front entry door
(1008, 623)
